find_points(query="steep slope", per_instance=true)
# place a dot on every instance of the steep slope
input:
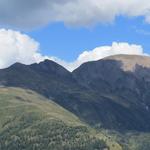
(29, 121)
(121, 86)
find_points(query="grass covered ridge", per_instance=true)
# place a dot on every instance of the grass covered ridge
(28, 121)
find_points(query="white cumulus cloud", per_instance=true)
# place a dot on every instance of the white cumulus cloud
(104, 51)
(18, 47)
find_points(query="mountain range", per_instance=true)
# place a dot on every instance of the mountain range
(110, 94)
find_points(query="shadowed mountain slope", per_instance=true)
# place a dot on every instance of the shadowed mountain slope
(123, 96)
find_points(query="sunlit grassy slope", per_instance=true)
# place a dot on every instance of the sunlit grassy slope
(28, 121)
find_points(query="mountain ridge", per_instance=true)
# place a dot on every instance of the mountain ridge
(100, 93)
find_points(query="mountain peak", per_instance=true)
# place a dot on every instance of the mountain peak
(47, 61)
(51, 66)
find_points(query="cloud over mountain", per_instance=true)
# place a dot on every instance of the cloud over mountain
(104, 51)
(35, 13)
(18, 47)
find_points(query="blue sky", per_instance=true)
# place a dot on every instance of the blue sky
(67, 43)
(72, 32)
